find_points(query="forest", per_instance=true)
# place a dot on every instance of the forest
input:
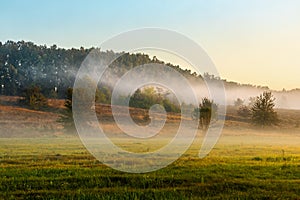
(53, 69)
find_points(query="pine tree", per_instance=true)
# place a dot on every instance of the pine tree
(66, 116)
(262, 111)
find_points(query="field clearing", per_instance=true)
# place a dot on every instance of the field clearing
(39, 161)
(239, 167)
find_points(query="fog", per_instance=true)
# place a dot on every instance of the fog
(209, 89)
(181, 85)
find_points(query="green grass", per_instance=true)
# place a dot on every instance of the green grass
(56, 168)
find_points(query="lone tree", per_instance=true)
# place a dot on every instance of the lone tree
(262, 110)
(238, 102)
(207, 111)
(66, 115)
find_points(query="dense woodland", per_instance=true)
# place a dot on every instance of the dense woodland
(40, 72)
(24, 64)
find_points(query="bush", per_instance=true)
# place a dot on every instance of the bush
(33, 98)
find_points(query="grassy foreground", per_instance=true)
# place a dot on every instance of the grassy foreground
(239, 167)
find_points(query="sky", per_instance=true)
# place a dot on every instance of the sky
(250, 41)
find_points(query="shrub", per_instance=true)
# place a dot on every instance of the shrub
(33, 98)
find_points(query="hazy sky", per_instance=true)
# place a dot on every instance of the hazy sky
(250, 41)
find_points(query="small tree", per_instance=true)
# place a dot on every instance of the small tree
(262, 111)
(34, 98)
(206, 112)
(66, 115)
(238, 102)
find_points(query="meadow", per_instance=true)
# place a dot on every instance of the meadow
(39, 161)
(239, 167)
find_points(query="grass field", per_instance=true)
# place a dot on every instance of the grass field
(239, 167)
(39, 161)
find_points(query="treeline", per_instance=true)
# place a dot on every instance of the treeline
(53, 69)
(25, 64)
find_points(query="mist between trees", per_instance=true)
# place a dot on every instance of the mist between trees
(24, 65)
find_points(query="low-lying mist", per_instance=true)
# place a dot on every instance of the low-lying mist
(204, 88)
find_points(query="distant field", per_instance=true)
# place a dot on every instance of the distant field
(39, 161)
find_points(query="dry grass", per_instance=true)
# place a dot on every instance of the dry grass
(17, 121)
